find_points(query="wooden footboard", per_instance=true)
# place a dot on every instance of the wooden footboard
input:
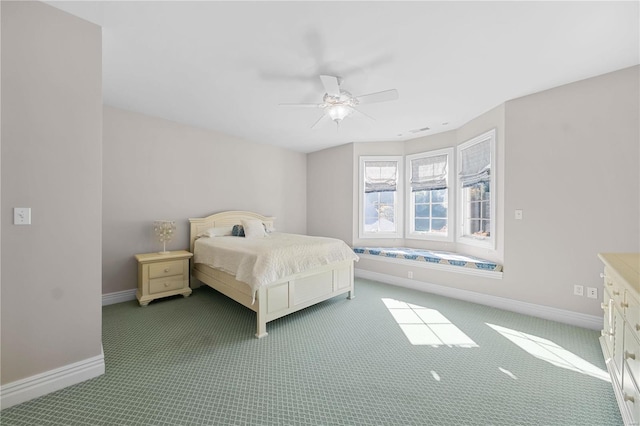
(283, 297)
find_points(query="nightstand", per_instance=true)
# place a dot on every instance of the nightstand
(162, 275)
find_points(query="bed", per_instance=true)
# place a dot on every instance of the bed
(318, 280)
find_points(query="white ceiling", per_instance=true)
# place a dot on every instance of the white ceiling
(228, 65)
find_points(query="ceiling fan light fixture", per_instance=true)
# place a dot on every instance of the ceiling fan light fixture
(338, 112)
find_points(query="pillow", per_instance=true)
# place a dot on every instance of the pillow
(268, 227)
(216, 232)
(253, 228)
(237, 231)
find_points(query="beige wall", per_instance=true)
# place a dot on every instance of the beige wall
(330, 191)
(51, 162)
(158, 169)
(569, 157)
(573, 166)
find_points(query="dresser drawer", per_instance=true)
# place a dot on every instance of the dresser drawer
(616, 292)
(161, 285)
(631, 399)
(632, 312)
(166, 269)
(632, 353)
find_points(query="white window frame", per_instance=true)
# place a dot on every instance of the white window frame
(399, 202)
(411, 233)
(487, 242)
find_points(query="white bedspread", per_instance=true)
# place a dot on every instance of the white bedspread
(262, 261)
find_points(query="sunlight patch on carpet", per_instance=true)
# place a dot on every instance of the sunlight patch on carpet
(424, 326)
(551, 352)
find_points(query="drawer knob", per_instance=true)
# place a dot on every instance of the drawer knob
(629, 398)
(166, 284)
(166, 269)
(616, 293)
(609, 283)
(637, 327)
(624, 305)
(629, 355)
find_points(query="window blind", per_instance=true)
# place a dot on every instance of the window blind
(475, 163)
(380, 176)
(429, 173)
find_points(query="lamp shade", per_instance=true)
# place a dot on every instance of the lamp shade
(164, 229)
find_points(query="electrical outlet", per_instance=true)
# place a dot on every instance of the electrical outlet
(578, 290)
(410, 274)
(592, 292)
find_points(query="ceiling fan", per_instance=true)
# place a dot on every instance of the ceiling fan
(339, 104)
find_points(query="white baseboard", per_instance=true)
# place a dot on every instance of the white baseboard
(118, 297)
(50, 381)
(540, 311)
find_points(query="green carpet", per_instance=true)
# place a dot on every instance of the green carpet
(195, 361)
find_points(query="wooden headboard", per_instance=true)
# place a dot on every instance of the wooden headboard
(228, 218)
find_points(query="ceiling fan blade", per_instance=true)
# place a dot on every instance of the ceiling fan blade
(384, 96)
(323, 119)
(302, 105)
(331, 85)
(358, 112)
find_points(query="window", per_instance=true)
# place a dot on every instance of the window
(476, 192)
(429, 215)
(380, 201)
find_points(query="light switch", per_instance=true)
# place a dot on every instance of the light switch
(22, 216)
(518, 214)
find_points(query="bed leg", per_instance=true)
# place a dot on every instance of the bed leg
(262, 328)
(261, 313)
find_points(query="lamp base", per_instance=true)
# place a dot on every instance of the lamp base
(164, 252)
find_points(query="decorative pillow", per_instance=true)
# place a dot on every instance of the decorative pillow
(237, 231)
(268, 227)
(253, 228)
(216, 232)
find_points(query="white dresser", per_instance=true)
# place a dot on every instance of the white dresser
(620, 339)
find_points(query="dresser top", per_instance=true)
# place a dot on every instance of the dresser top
(626, 266)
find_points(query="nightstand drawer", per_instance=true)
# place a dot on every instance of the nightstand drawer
(166, 269)
(160, 285)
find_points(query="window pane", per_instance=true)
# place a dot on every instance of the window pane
(422, 225)
(379, 215)
(370, 208)
(439, 210)
(475, 192)
(421, 196)
(475, 226)
(439, 195)
(387, 197)
(486, 209)
(439, 225)
(422, 210)
(486, 194)
(474, 210)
